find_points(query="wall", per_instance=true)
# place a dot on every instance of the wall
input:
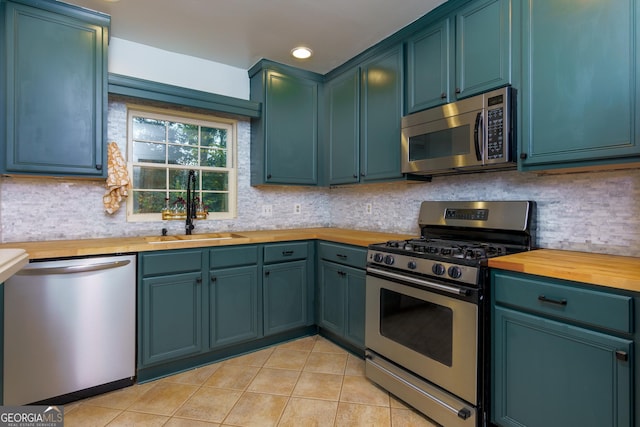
(594, 212)
(597, 212)
(149, 63)
(37, 208)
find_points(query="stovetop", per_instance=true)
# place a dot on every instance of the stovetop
(445, 249)
(457, 239)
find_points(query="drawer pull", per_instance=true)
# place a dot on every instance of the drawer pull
(552, 301)
(287, 253)
(622, 355)
(341, 256)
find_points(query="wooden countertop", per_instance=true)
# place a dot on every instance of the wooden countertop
(84, 247)
(612, 271)
(597, 269)
(11, 260)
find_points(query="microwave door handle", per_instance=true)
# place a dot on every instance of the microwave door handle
(477, 130)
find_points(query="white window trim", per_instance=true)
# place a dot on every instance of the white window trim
(194, 118)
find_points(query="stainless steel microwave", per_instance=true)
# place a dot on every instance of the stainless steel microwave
(473, 134)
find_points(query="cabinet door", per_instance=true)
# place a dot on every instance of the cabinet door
(332, 297)
(381, 111)
(483, 47)
(549, 374)
(355, 287)
(343, 130)
(285, 296)
(291, 129)
(55, 87)
(428, 67)
(233, 306)
(171, 317)
(580, 99)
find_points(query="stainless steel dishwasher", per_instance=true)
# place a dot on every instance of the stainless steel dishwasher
(69, 329)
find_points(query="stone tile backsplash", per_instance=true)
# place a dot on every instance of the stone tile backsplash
(596, 212)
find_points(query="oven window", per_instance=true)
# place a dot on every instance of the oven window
(417, 324)
(443, 143)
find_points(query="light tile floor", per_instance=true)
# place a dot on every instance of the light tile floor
(306, 382)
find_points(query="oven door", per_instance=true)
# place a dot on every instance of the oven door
(431, 334)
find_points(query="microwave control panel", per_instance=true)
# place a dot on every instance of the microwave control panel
(495, 133)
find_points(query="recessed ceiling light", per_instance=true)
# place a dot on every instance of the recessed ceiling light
(301, 52)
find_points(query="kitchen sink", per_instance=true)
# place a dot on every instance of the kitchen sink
(193, 237)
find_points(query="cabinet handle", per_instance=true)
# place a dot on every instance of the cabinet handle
(363, 174)
(269, 176)
(523, 156)
(287, 253)
(458, 90)
(341, 256)
(266, 273)
(199, 280)
(552, 301)
(443, 95)
(623, 356)
(355, 175)
(213, 279)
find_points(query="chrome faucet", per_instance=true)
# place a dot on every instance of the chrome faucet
(191, 201)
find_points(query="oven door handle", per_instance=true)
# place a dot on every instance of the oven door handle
(420, 282)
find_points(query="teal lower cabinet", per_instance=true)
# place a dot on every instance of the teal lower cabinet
(341, 293)
(287, 286)
(172, 306)
(169, 306)
(341, 301)
(198, 306)
(233, 309)
(562, 354)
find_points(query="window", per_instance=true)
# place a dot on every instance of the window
(163, 146)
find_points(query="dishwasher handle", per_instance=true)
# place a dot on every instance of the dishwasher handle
(71, 269)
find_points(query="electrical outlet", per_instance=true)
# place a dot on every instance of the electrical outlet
(296, 208)
(369, 209)
(267, 210)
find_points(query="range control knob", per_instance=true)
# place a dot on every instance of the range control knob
(454, 272)
(389, 260)
(412, 265)
(378, 258)
(438, 269)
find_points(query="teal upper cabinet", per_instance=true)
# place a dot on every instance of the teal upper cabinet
(428, 63)
(284, 140)
(363, 111)
(342, 96)
(463, 54)
(581, 83)
(54, 89)
(381, 111)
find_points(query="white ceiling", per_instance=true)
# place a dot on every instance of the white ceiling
(241, 32)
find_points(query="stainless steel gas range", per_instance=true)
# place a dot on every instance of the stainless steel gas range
(427, 312)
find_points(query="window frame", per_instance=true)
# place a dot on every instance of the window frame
(189, 118)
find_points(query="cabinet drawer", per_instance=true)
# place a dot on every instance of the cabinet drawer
(602, 309)
(233, 256)
(343, 254)
(170, 262)
(285, 252)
